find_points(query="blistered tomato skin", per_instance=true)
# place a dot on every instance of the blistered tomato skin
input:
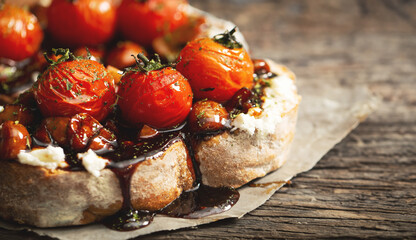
(76, 86)
(208, 116)
(82, 127)
(143, 21)
(82, 22)
(161, 98)
(20, 33)
(214, 71)
(14, 138)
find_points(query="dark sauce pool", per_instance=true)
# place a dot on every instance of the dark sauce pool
(199, 202)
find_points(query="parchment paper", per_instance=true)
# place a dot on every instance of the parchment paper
(326, 115)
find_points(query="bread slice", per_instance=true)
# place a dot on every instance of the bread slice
(51, 198)
(237, 157)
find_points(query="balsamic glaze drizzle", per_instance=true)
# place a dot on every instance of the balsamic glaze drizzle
(199, 202)
(202, 202)
(128, 218)
(124, 162)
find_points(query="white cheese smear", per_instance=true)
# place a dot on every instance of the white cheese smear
(92, 162)
(280, 98)
(50, 157)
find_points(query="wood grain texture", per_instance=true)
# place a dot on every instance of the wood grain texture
(365, 187)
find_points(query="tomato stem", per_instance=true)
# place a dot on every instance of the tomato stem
(2, 3)
(228, 39)
(88, 53)
(143, 64)
(63, 53)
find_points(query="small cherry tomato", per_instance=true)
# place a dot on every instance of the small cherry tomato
(17, 113)
(120, 55)
(82, 22)
(143, 21)
(53, 129)
(240, 102)
(116, 73)
(26, 99)
(20, 33)
(157, 96)
(70, 86)
(216, 68)
(103, 142)
(208, 116)
(96, 54)
(82, 127)
(14, 138)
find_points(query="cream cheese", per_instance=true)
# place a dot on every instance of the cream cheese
(280, 98)
(92, 162)
(50, 157)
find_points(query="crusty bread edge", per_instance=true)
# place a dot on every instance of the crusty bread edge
(52, 198)
(234, 159)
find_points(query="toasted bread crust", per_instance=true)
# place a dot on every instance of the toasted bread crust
(159, 181)
(52, 198)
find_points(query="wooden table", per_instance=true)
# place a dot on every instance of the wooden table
(365, 187)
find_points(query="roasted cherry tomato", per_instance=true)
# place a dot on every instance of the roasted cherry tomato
(120, 55)
(116, 73)
(26, 99)
(17, 113)
(14, 138)
(154, 95)
(70, 86)
(216, 68)
(20, 33)
(53, 130)
(240, 102)
(82, 22)
(208, 116)
(143, 21)
(96, 54)
(82, 127)
(103, 142)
